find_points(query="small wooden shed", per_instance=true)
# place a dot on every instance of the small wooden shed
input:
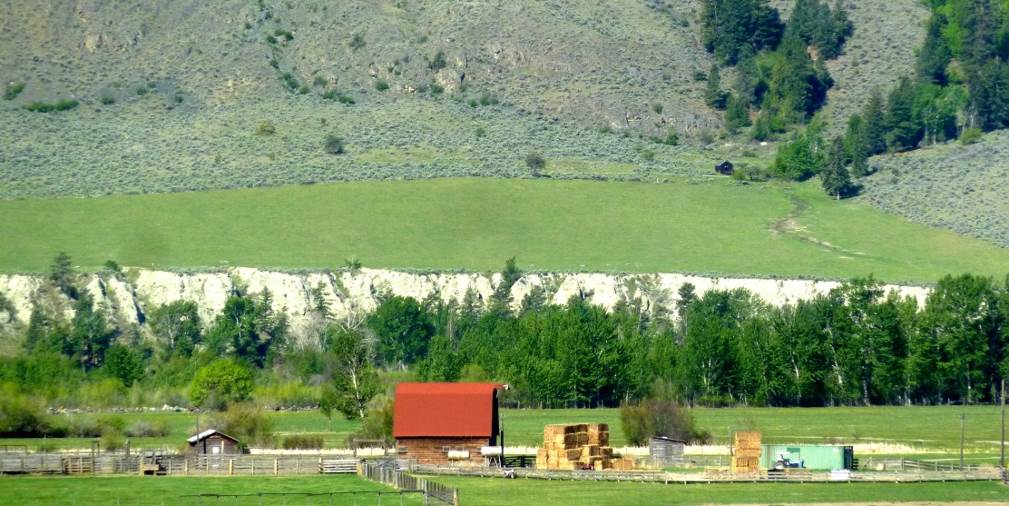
(438, 423)
(665, 451)
(213, 442)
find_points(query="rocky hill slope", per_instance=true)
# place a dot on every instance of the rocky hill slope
(349, 293)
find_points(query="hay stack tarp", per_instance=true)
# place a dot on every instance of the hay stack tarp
(578, 446)
(746, 452)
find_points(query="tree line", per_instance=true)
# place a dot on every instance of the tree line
(856, 345)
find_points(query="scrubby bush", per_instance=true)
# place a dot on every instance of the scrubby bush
(62, 105)
(658, 417)
(141, 428)
(107, 100)
(488, 99)
(302, 442)
(377, 423)
(12, 90)
(247, 422)
(334, 145)
(265, 128)
(970, 136)
(437, 62)
(112, 441)
(381, 85)
(536, 163)
(23, 417)
(357, 41)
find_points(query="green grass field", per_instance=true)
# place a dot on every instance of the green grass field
(147, 491)
(930, 428)
(704, 226)
(484, 491)
(173, 491)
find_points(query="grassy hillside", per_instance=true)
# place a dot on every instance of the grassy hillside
(962, 188)
(693, 225)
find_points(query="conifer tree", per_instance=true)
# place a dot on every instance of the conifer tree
(713, 95)
(834, 176)
(875, 130)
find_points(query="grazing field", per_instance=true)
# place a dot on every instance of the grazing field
(935, 429)
(483, 491)
(707, 225)
(151, 491)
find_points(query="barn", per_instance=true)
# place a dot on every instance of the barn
(439, 423)
(213, 442)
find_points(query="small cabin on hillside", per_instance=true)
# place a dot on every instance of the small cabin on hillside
(213, 442)
(439, 423)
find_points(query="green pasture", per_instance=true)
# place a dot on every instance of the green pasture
(707, 225)
(935, 429)
(180, 491)
(484, 491)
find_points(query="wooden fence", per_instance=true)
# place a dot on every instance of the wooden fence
(401, 480)
(220, 465)
(981, 474)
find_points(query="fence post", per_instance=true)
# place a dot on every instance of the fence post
(275, 467)
(455, 497)
(231, 467)
(185, 466)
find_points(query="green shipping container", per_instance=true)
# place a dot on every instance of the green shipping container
(813, 457)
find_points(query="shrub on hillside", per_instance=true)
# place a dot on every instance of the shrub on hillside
(536, 163)
(334, 145)
(970, 136)
(266, 128)
(12, 90)
(381, 85)
(62, 105)
(302, 442)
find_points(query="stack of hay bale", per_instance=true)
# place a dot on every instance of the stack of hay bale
(746, 452)
(578, 446)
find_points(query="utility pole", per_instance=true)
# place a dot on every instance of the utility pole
(961, 440)
(1001, 460)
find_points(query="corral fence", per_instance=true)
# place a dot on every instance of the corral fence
(217, 465)
(390, 474)
(342, 497)
(720, 476)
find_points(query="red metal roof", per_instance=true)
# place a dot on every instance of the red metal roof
(444, 410)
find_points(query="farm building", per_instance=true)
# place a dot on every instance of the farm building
(438, 423)
(213, 442)
(665, 451)
(813, 457)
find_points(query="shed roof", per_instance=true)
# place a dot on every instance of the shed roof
(207, 433)
(445, 410)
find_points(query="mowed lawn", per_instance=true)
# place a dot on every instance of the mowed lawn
(487, 491)
(707, 226)
(935, 429)
(181, 491)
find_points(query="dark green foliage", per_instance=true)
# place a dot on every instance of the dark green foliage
(816, 24)
(248, 423)
(836, 180)
(107, 100)
(935, 53)
(437, 62)
(21, 416)
(970, 136)
(403, 329)
(63, 275)
(248, 329)
(713, 95)
(799, 159)
(220, 383)
(737, 114)
(285, 34)
(357, 41)
(377, 424)
(381, 85)
(856, 146)
(62, 105)
(90, 334)
(875, 128)
(729, 27)
(904, 132)
(536, 164)
(334, 145)
(658, 417)
(12, 90)
(290, 82)
(671, 139)
(177, 327)
(340, 97)
(124, 363)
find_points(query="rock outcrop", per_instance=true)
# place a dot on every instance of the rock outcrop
(128, 298)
